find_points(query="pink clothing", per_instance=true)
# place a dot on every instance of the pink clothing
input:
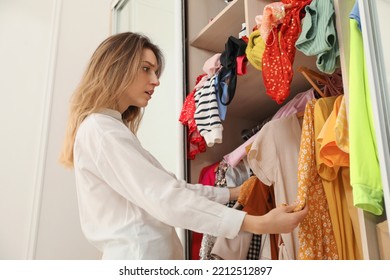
(206, 177)
(239, 153)
(212, 65)
(199, 84)
(273, 15)
(207, 174)
(295, 105)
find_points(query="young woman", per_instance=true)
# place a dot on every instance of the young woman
(129, 204)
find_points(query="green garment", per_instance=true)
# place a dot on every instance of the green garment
(365, 172)
(319, 37)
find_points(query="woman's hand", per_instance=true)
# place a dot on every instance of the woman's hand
(281, 219)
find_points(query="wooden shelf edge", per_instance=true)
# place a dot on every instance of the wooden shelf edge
(227, 23)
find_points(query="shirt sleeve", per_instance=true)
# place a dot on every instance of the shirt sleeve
(220, 195)
(135, 175)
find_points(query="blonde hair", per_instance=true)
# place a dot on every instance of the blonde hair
(111, 69)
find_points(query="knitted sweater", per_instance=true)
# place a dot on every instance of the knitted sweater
(206, 114)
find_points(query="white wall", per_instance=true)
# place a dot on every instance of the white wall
(25, 36)
(45, 45)
(83, 25)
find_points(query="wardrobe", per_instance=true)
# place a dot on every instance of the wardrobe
(209, 24)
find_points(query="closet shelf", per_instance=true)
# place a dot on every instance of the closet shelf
(251, 101)
(227, 23)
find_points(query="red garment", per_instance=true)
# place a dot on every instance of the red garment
(196, 142)
(206, 177)
(279, 55)
(241, 65)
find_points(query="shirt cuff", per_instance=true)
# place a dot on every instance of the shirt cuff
(231, 222)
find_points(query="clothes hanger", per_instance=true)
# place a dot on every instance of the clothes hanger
(300, 114)
(311, 75)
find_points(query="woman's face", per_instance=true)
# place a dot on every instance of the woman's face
(140, 91)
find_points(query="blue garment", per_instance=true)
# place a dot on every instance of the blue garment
(355, 14)
(222, 97)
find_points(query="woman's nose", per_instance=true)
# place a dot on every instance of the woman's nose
(155, 80)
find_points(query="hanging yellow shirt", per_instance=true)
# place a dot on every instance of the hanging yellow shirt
(330, 162)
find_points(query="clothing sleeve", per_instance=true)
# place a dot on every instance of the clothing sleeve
(262, 155)
(220, 195)
(131, 172)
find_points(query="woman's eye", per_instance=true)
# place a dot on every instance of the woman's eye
(145, 68)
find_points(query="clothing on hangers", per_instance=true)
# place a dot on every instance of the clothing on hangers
(315, 233)
(248, 133)
(206, 177)
(275, 149)
(300, 114)
(295, 105)
(311, 75)
(333, 167)
(331, 84)
(334, 83)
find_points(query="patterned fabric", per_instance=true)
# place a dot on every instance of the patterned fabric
(315, 232)
(273, 15)
(206, 246)
(279, 54)
(206, 177)
(330, 161)
(258, 199)
(254, 248)
(196, 142)
(206, 113)
(208, 240)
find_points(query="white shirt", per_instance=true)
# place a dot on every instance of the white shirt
(130, 205)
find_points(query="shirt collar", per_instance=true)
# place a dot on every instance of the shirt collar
(112, 113)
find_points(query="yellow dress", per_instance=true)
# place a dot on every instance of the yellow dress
(315, 234)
